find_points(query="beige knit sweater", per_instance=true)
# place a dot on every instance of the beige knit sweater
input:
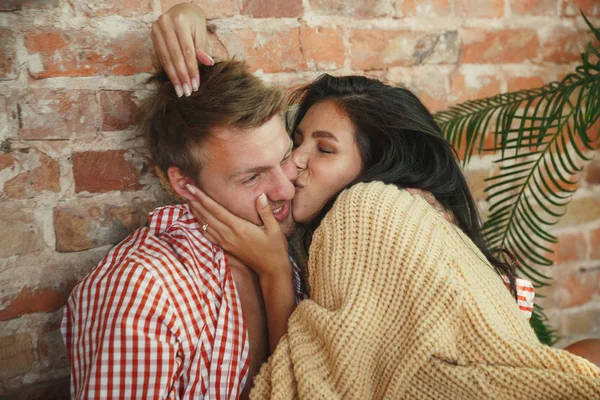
(404, 306)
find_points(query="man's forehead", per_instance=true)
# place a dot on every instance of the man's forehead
(240, 150)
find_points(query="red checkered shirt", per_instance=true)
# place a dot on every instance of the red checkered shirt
(159, 317)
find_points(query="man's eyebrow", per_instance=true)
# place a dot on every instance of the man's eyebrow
(262, 168)
(250, 171)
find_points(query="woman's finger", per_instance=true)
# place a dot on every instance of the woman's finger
(266, 214)
(177, 58)
(201, 43)
(204, 58)
(161, 50)
(188, 49)
(205, 217)
(211, 238)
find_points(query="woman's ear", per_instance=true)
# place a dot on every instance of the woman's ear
(179, 181)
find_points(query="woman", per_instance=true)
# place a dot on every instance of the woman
(403, 303)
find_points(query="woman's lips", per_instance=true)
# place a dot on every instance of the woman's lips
(298, 185)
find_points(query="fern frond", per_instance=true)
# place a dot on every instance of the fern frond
(543, 138)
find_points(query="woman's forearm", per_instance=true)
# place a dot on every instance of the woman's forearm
(280, 302)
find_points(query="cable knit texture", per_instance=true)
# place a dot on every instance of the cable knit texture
(404, 306)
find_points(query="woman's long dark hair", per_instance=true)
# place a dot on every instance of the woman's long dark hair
(400, 144)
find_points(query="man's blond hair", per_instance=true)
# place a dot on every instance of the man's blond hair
(229, 97)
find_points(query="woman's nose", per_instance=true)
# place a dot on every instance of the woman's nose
(300, 157)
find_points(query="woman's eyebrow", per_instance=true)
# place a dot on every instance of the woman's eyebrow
(324, 134)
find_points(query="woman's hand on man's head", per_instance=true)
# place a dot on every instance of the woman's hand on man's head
(180, 41)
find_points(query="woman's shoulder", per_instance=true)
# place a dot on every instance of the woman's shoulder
(377, 204)
(369, 196)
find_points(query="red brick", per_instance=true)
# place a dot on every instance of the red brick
(33, 300)
(591, 8)
(428, 83)
(580, 211)
(580, 322)
(46, 177)
(37, 4)
(592, 174)
(212, 8)
(421, 8)
(216, 48)
(6, 161)
(570, 248)
(16, 355)
(269, 51)
(506, 46)
(41, 173)
(479, 8)
(14, 5)
(103, 171)
(563, 45)
(16, 188)
(534, 7)
(272, 8)
(52, 347)
(54, 389)
(291, 82)
(477, 87)
(86, 225)
(9, 68)
(374, 49)
(10, 5)
(323, 47)
(56, 114)
(477, 184)
(575, 289)
(595, 244)
(88, 53)
(118, 110)
(514, 84)
(104, 8)
(19, 231)
(353, 8)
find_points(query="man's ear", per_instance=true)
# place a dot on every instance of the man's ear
(179, 180)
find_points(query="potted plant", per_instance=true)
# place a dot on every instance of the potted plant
(542, 137)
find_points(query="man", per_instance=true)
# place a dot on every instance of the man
(167, 314)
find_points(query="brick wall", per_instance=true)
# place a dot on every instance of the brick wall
(76, 179)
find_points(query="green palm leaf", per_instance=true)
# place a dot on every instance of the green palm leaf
(543, 137)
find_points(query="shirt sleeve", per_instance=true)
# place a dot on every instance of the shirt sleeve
(119, 329)
(298, 288)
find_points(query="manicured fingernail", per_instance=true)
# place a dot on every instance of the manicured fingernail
(211, 59)
(186, 89)
(194, 84)
(262, 200)
(190, 188)
(178, 91)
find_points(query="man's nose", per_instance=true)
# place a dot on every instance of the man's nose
(289, 169)
(283, 186)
